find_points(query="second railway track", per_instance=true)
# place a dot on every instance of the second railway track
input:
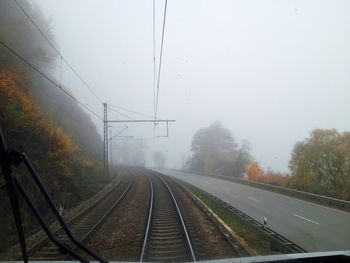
(155, 222)
(85, 223)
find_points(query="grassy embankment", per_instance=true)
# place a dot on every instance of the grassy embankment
(258, 241)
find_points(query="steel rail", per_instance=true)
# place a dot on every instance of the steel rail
(103, 218)
(181, 218)
(75, 218)
(110, 210)
(148, 220)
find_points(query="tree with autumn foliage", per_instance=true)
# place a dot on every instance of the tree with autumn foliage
(254, 171)
(321, 163)
(57, 135)
(215, 151)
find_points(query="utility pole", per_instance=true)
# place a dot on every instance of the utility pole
(110, 147)
(105, 141)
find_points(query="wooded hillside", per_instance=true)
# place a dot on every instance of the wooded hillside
(41, 120)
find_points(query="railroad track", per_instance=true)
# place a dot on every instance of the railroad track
(84, 224)
(166, 237)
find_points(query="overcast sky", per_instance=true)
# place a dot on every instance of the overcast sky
(270, 71)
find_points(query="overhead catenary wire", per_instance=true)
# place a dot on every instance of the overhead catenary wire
(131, 111)
(160, 58)
(116, 111)
(58, 52)
(154, 66)
(61, 72)
(118, 131)
(154, 58)
(62, 58)
(48, 78)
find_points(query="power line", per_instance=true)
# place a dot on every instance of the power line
(120, 113)
(61, 72)
(154, 58)
(36, 26)
(58, 52)
(62, 58)
(131, 111)
(114, 128)
(119, 132)
(115, 116)
(81, 79)
(160, 57)
(48, 78)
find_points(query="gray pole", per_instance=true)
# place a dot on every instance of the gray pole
(110, 147)
(105, 141)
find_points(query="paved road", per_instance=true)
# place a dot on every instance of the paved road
(311, 226)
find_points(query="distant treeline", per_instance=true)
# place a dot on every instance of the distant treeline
(35, 117)
(319, 164)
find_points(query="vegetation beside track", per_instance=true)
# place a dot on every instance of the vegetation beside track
(257, 240)
(58, 136)
(14, 252)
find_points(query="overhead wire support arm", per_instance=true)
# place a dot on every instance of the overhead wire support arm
(116, 135)
(167, 131)
(113, 107)
(154, 121)
(106, 126)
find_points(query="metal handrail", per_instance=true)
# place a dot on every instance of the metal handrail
(11, 158)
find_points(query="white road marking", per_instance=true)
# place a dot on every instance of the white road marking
(285, 196)
(254, 199)
(309, 220)
(261, 190)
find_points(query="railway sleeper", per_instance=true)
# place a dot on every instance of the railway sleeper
(168, 259)
(167, 252)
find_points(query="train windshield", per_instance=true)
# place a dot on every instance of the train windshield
(174, 131)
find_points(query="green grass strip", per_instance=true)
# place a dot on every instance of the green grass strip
(257, 239)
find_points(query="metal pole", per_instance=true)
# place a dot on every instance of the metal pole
(105, 141)
(110, 147)
(167, 129)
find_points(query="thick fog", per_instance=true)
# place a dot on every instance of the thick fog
(270, 71)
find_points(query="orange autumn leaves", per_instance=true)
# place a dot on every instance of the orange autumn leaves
(62, 145)
(18, 99)
(319, 164)
(256, 173)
